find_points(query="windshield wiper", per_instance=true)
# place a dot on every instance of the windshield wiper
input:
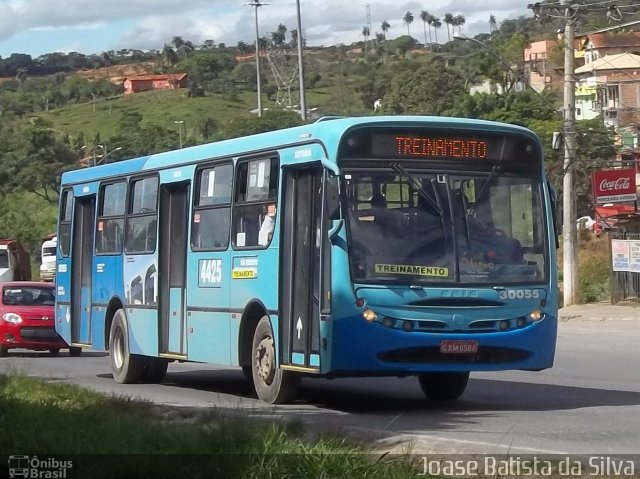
(484, 188)
(433, 204)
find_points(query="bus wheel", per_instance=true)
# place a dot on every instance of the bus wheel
(155, 371)
(127, 368)
(54, 351)
(75, 351)
(273, 385)
(443, 386)
(4, 351)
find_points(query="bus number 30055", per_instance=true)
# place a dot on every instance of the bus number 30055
(520, 294)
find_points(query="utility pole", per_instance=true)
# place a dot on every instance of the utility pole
(569, 212)
(303, 100)
(567, 12)
(256, 4)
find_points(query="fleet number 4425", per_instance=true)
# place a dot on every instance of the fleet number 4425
(211, 271)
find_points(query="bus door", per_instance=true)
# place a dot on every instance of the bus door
(172, 267)
(304, 294)
(81, 268)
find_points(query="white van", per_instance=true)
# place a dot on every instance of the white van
(48, 265)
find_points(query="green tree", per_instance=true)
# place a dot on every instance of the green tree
(430, 90)
(35, 158)
(269, 121)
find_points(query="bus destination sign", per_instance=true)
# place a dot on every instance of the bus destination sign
(440, 147)
(443, 145)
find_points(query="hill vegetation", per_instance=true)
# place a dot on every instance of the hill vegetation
(63, 111)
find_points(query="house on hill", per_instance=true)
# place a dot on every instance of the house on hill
(538, 68)
(171, 81)
(616, 95)
(598, 45)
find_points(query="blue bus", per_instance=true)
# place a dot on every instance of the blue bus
(374, 246)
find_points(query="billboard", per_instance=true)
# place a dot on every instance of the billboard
(614, 186)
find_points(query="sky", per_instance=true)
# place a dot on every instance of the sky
(36, 27)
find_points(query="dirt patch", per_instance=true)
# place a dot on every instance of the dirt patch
(117, 73)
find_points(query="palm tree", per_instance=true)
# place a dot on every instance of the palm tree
(107, 59)
(208, 45)
(460, 21)
(366, 32)
(279, 37)
(448, 19)
(408, 19)
(169, 56)
(425, 16)
(430, 21)
(21, 76)
(206, 126)
(493, 24)
(385, 26)
(436, 24)
(242, 48)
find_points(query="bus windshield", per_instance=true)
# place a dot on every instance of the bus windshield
(479, 227)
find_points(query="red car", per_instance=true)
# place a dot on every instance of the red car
(27, 318)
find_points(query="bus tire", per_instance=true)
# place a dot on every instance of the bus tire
(447, 386)
(4, 351)
(75, 351)
(155, 370)
(127, 368)
(54, 351)
(272, 384)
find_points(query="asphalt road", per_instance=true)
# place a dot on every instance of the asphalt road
(588, 403)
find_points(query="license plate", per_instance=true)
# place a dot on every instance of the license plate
(459, 346)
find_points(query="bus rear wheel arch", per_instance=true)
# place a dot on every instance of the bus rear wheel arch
(273, 385)
(127, 368)
(443, 386)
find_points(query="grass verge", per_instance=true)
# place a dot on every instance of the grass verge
(119, 437)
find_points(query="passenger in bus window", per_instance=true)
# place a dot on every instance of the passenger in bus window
(268, 224)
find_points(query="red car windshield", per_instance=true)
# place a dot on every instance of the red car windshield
(28, 296)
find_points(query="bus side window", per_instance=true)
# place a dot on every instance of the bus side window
(255, 207)
(110, 222)
(66, 210)
(212, 209)
(142, 218)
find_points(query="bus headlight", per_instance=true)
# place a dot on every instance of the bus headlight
(536, 315)
(369, 315)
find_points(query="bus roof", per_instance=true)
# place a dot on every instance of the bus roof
(327, 130)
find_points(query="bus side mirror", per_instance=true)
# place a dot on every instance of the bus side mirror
(337, 225)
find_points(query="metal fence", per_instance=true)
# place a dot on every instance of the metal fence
(625, 285)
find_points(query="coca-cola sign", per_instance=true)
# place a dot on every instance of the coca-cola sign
(614, 186)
